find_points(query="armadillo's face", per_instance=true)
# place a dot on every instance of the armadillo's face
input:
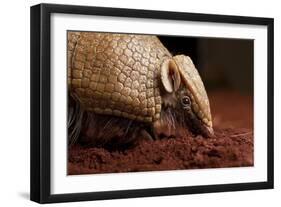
(193, 116)
(186, 94)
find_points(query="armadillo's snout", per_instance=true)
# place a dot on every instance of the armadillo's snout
(196, 125)
(207, 131)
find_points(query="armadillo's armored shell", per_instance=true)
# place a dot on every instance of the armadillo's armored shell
(116, 74)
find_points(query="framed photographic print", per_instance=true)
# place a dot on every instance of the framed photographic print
(133, 103)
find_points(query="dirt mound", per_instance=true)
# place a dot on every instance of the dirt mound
(232, 145)
(229, 148)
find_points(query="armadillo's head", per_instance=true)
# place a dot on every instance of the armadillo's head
(185, 95)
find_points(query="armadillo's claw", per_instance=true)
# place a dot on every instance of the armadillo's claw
(146, 135)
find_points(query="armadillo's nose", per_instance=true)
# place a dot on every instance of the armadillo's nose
(209, 131)
(198, 126)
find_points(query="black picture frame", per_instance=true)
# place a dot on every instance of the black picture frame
(40, 102)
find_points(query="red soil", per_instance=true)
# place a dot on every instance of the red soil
(232, 145)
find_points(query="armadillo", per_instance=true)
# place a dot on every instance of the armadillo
(134, 77)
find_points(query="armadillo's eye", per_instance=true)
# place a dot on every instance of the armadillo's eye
(186, 101)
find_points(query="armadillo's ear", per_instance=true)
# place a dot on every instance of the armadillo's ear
(170, 75)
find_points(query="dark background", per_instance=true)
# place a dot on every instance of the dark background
(221, 62)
